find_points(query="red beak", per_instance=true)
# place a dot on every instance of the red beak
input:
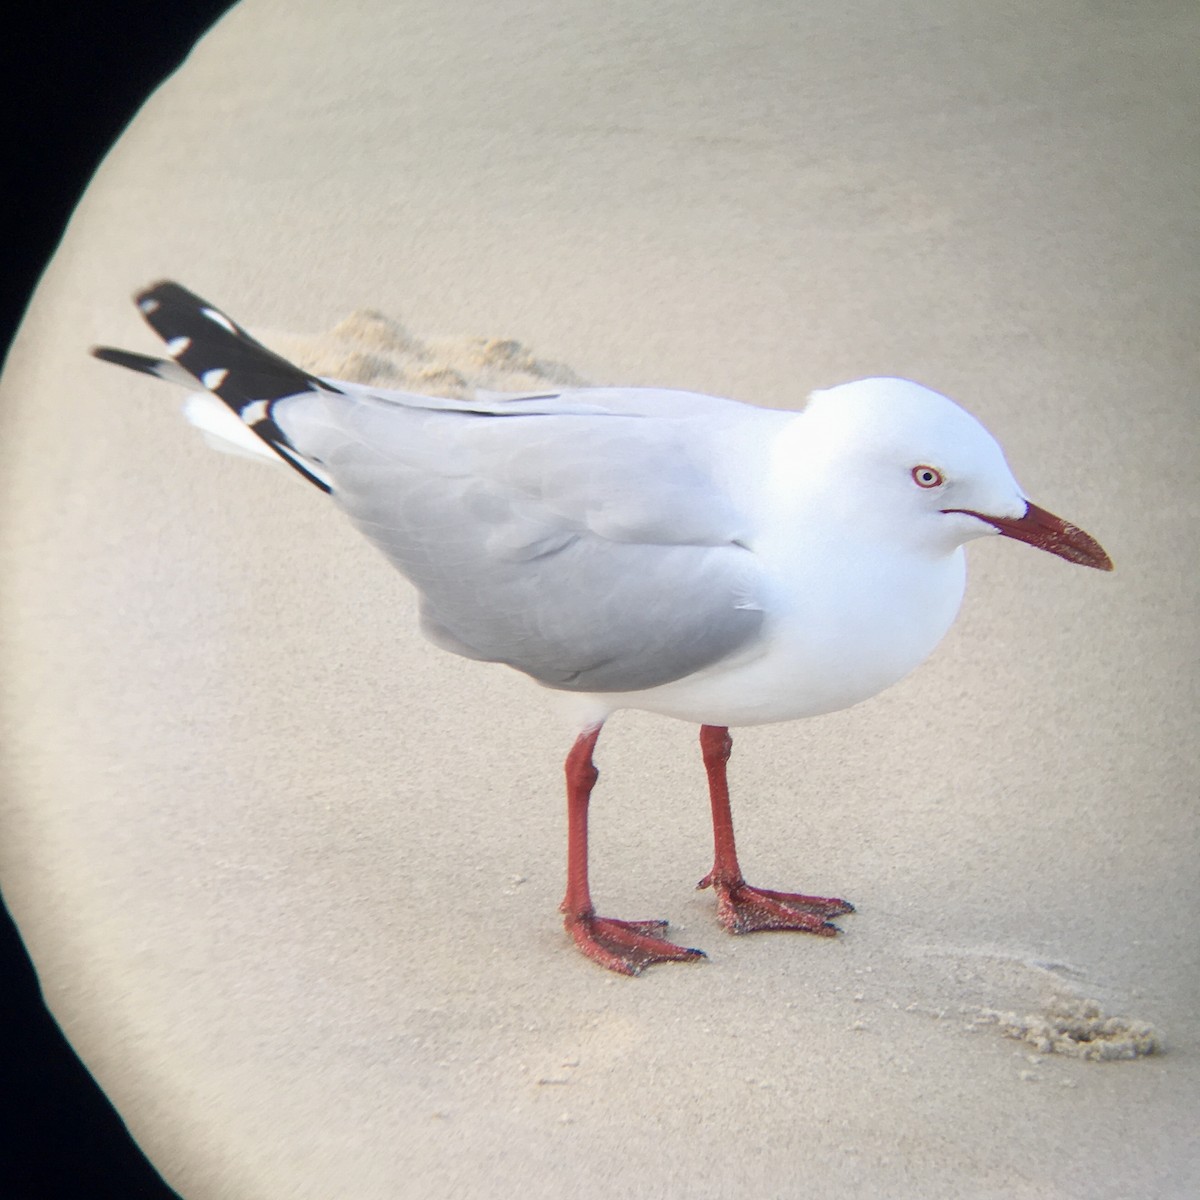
(1047, 532)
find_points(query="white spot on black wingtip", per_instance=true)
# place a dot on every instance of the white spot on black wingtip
(149, 305)
(214, 378)
(220, 318)
(178, 345)
(255, 411)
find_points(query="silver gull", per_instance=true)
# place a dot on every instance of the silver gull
(685, 555)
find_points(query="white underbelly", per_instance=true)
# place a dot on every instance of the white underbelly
(820, 654)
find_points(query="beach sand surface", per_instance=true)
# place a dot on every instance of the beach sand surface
(290, 875)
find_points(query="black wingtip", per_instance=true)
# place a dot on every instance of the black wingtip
(168, 287)
(210, 348)
(174, 295)
(145, 363)
(204, 341)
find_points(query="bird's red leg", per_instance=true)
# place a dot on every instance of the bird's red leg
(740, 907)
(625, 946)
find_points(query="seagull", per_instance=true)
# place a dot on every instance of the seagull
(699, 558)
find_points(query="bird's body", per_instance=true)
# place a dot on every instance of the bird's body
(814, 654)
(635, 548)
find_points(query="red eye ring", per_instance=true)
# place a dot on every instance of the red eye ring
(927, 477)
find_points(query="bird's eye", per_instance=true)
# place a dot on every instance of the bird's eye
(927, 477)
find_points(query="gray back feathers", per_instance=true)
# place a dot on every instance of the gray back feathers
(581, 538)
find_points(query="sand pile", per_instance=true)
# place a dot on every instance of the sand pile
(1078, 1029)
(371, 347)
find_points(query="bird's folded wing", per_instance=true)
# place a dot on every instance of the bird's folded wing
(580, 538)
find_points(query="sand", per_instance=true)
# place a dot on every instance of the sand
(290, 875)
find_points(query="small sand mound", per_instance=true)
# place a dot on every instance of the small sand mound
(1078, 1029)
(354, 365)
(441, 380)
(369, 327)
(370, 347)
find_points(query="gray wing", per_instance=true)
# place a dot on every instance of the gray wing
(581, 538)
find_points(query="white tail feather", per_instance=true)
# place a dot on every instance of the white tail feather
(223, 430)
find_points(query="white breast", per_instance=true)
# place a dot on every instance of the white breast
(829, 642)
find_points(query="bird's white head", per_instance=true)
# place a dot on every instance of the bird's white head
(900, 460)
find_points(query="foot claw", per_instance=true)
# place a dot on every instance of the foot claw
(745, 909)
(628, 947)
